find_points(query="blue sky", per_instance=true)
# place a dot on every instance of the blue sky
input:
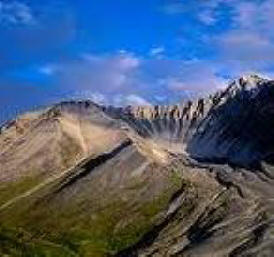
(128, 52)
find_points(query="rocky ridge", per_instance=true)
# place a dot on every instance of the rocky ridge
(214, 127)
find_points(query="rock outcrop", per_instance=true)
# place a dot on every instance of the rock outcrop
(229, 126)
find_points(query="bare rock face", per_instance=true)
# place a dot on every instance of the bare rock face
(225, 127)
(236, 127)
(193, 179)
(168, 126)
(39, 145)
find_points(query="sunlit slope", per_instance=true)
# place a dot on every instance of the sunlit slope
(38, 146)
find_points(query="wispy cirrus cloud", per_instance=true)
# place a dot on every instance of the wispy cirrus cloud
(204, 11)
(207, 17)
(15, 13)
(241, 37)
(251, 37)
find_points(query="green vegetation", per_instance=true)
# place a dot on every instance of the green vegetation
(113, 228)
(109, 225)
(18, 243)
(9, 190)
(118, 225)
(176, 179)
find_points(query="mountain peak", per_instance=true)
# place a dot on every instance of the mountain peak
(249, 81)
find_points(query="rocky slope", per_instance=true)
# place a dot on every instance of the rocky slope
(230, 126)
(38, 146)
(194, 179)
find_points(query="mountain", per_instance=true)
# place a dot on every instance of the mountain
(193, 179)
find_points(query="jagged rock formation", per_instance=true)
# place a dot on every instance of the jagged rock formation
(230, 126)
(193, 179)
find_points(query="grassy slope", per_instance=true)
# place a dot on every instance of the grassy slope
(112, 225)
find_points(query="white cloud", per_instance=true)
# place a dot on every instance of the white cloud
(245, 14)
(251, 38)
(126, 62)
(98, 98)
(48, 69)
(204, 83)
(125, 79)
(246, 46)
(123, 61)
(125, 100)
(160, 98)
(203, 11)
(207, 17)
(174, 83)
(196, 76)
(15, 12)
(105, 74)
(157, 52)
(255, 16)
(136, 100)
